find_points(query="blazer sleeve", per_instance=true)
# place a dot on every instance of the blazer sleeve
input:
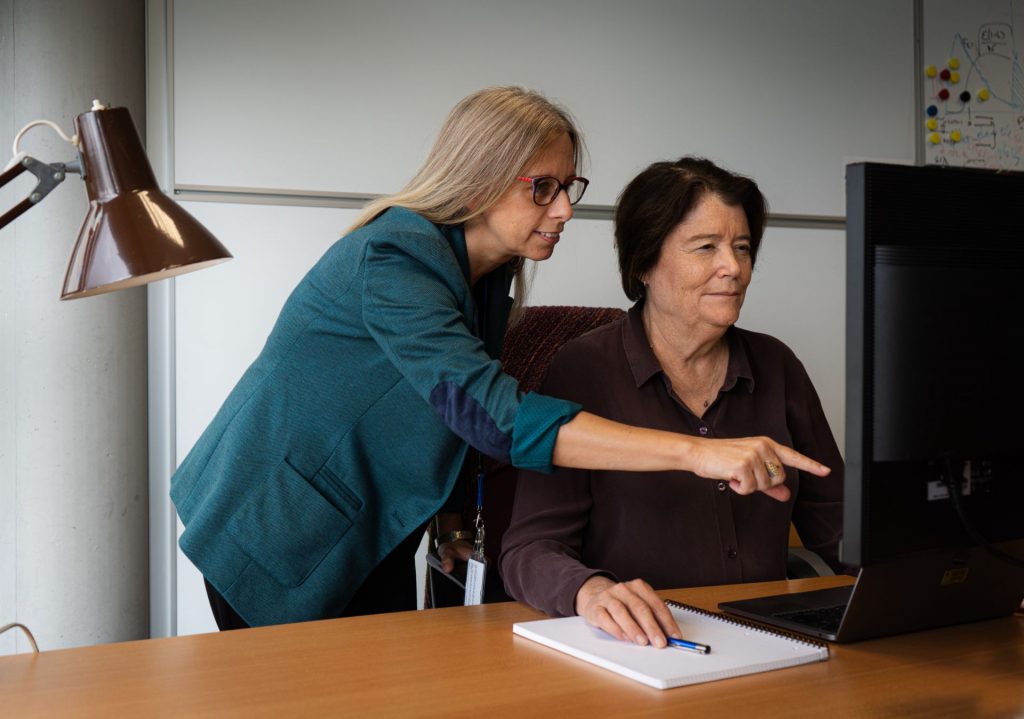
(411, 307)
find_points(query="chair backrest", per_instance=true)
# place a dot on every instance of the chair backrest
(530, 345)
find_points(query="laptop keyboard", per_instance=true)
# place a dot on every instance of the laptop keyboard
(825, 618)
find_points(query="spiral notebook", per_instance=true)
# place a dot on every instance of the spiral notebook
(737, 648)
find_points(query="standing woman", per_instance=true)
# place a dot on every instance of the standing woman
(308, 494)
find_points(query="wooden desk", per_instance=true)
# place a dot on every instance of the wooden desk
(465, 661)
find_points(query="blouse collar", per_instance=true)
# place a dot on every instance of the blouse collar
(644, 364)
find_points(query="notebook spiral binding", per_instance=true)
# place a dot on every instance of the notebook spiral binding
(753, 626)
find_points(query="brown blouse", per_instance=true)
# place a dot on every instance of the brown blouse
(673, 529)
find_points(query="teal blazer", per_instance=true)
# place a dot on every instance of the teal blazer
(348, 431)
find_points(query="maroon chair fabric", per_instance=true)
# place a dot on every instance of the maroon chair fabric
(531, 343)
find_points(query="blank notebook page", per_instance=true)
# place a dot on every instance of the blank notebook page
(737, 648)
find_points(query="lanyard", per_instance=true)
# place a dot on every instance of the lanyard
(478, 523)
(476, 567)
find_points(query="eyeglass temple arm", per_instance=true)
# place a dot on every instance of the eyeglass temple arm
(49, 176)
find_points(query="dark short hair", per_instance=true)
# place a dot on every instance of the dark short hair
(661, 197)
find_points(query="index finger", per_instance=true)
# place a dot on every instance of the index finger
(792, 458)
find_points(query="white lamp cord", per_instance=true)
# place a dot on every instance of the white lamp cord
(18, 155)
(31, 639)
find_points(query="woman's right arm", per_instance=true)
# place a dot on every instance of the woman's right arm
(632, 611)
(411, 312)
(591, 442)
(541, 562)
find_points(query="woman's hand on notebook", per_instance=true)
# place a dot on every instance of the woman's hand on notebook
(629, 611)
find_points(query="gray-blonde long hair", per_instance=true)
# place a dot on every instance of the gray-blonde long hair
(483, 146)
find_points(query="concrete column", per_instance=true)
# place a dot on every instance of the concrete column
(73, 422)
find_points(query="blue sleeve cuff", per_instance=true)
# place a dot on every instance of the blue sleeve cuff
(536, 427)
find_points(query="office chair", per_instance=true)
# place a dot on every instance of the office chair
(802, 563)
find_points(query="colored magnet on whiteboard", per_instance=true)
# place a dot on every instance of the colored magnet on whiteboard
(944, 74)
(931, 71)
(932, 111)
(932, 124)
(954, 77)
(965, 96)
(954, 63)
(935, 138)
(943, 94)
(955, 136)
(983, 94)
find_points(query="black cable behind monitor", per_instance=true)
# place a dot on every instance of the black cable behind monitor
(949, 478)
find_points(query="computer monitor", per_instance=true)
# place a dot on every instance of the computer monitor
(934, 365)
(933, 513)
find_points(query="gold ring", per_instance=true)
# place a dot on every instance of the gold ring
(773, 469)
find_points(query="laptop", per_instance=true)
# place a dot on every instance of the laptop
(934, 590)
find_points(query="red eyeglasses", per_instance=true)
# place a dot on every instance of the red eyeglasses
(546, 188)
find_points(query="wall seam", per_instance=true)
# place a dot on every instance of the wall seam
(17, 394)
(161, 334)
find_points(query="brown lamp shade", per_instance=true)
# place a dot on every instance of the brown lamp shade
(133, 233)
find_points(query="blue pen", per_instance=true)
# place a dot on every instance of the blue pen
(690, 646)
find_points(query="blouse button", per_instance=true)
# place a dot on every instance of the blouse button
(703, 429)
(732, 553)
(722, 486)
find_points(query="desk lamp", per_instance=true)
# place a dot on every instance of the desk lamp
(133, 233)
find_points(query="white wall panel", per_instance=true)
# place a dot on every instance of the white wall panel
(347, 97)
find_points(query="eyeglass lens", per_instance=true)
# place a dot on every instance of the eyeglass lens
(546, 188)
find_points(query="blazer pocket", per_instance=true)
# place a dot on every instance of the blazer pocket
(286, 526)
(334, 488)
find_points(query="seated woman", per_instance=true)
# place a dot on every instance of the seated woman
(687, 235)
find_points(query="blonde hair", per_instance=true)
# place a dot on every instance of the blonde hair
(483, 146)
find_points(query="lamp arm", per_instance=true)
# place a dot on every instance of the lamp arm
(49, 175)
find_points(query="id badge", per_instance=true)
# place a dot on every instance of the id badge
(476, 574)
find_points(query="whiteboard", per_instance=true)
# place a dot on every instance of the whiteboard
(979, 44)
(346, 97)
